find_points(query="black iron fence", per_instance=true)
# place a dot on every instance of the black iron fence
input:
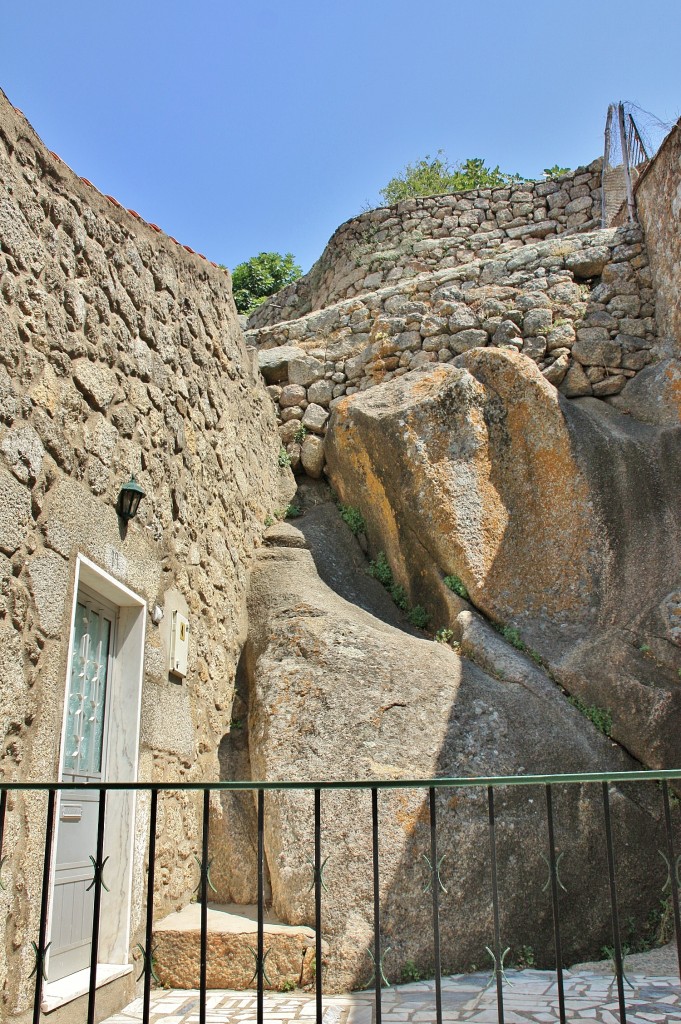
(430, 787)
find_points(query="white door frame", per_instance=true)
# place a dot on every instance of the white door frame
(122, 754)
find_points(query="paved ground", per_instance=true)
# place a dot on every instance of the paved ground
(530, 997)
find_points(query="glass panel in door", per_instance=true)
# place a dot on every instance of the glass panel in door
(83, 757)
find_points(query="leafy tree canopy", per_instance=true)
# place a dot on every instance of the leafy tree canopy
(432, 177)
(260, 277)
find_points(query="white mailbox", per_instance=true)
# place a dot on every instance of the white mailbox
(179, 645)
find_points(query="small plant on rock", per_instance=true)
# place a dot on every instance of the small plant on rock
(353, 518)
(444, 635)
(300, 434)
(287, 985)
(292, 511)
(380, 569)
(284, 458)
(512, 635)
(454, 584)
(600, 717)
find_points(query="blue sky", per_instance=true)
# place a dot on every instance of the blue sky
(247, 126)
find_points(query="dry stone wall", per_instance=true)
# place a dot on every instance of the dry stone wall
(399, 242)
(120, 352)
(581, 307)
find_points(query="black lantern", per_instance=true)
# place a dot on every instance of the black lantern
(129, 499)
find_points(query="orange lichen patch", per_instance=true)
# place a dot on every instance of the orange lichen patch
(114, 202)
(135, 214)
(409, 817)
(673, 376)
(428, 385)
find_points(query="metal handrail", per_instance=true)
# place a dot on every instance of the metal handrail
(644, 775)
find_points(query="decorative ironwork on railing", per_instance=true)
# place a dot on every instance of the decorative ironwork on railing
(377, 954)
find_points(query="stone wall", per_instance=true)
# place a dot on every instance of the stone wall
(581, 307)
(120, 352)
(658, 202)
(398, 242)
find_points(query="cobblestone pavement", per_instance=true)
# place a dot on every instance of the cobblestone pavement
(530, 997)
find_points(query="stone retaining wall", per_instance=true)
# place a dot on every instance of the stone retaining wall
(658, 201)
(582, 307)
(398, 242)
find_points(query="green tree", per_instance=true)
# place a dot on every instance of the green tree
(432, 177)
(260, 277)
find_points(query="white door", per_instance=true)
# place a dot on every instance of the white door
(84, 747)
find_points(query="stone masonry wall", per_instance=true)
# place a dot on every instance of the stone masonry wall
(398, 242)
(581, 307)
(120, 352)
(658, 201)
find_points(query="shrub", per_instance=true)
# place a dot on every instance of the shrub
(432, 177)
(455, 584)
(410, 972)
(419, 617)
(555, 172)
(399, 596)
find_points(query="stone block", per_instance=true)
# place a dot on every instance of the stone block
(321, 392)
(97, 383)
(291, 395)
(588, 262)
(49, 576)
(24, 452)
(312, 456)
(537, 321)
(597, 351)
(575, 384)
(273, 362)
(305, 370)
(315, 418)
(15, 513)
(465, 340)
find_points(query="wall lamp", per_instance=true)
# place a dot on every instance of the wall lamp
(129, 499)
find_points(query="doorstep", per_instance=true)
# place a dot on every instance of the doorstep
(58, 993)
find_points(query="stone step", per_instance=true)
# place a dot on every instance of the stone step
(232, 943)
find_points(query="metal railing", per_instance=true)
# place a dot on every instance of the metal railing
(430, 786)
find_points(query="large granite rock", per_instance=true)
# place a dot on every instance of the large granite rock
(335, 693)
(561, 518)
